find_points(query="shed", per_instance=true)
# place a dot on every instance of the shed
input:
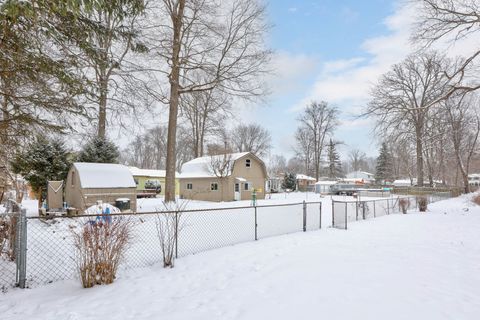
(89, 182)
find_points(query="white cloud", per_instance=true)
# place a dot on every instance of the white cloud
(293, 9)
(347, 82)
(289, 70)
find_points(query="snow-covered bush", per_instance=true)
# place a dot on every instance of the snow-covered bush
(100, 248)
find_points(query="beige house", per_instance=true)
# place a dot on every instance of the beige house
(226, 177)
(89, 182)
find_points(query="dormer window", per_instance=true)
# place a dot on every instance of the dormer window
(248, 163)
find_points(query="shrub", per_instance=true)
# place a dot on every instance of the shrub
(404, 204)
(168, 228)
(422, 203)
(8, 233)
(476, 199)
(100, 247)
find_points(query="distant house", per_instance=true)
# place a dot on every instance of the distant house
(274, 184)
(404, 182)
(89, 182)
(151, 182)
(226, 177)
(361, 177)
(305, 183)
(474, 179)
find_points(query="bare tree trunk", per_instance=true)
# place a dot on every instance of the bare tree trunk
(419, 149)
(102, 109)
(174, 78)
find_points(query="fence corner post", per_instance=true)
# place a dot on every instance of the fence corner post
(21, 257)
(304, 216)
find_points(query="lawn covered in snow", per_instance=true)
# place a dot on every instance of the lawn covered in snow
(414, 266)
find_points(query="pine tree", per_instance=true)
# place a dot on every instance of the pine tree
(100, 150)
(44, 160)
(384, 171)
(334, 163)
(289, 181)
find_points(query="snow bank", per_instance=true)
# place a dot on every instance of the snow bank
(397, 267)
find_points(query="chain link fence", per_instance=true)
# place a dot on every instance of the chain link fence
(50, 250)
(344, 212)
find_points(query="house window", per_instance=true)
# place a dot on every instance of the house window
(214, 186)
(247, 186)
(189, 186)
(248, 163)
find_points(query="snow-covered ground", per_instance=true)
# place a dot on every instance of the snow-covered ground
(414, 266)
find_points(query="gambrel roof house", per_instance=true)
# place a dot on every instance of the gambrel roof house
(227, 177)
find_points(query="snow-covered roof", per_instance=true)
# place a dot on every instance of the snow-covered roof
(360, 174)
(305, 177)
(104, 175)
(153, 173)
(202, 167)
(326, 182)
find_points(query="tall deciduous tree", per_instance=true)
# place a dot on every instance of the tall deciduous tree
(402, 100)
(318, 122)
(209, 44)
(452, 20)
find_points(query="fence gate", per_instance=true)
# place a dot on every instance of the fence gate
(13, 250)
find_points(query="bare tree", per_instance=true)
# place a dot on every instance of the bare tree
(221, 166)
(251, 138)
(208, 44)
(402, 100)
(205, 112)
(357, 159)
(304, 149)
(318, 122)
(451, 20)
(463, 122)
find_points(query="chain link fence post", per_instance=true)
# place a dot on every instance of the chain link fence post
(320, 227)
(21, 247)
(256, 224)
(304, 216)
(176, 234)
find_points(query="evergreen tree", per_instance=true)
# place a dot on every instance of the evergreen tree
(334, 163)
(384, 170)
(289, 181)
(44, 160)
(100, 150)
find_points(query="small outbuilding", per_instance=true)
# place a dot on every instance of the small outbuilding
(88, 183)
(228, 177)
(305, 183)
(323, 186)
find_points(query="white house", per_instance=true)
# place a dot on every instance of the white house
(360, 176)
(474, 179)
(323, 186)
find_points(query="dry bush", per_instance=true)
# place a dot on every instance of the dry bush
(476, 199)
(168, 229)
(8, 234)
(404, 204)
(100, 247)
(422, 203)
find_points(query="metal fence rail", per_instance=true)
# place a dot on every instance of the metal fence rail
(49, 251)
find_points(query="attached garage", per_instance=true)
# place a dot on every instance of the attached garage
(89, 182)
